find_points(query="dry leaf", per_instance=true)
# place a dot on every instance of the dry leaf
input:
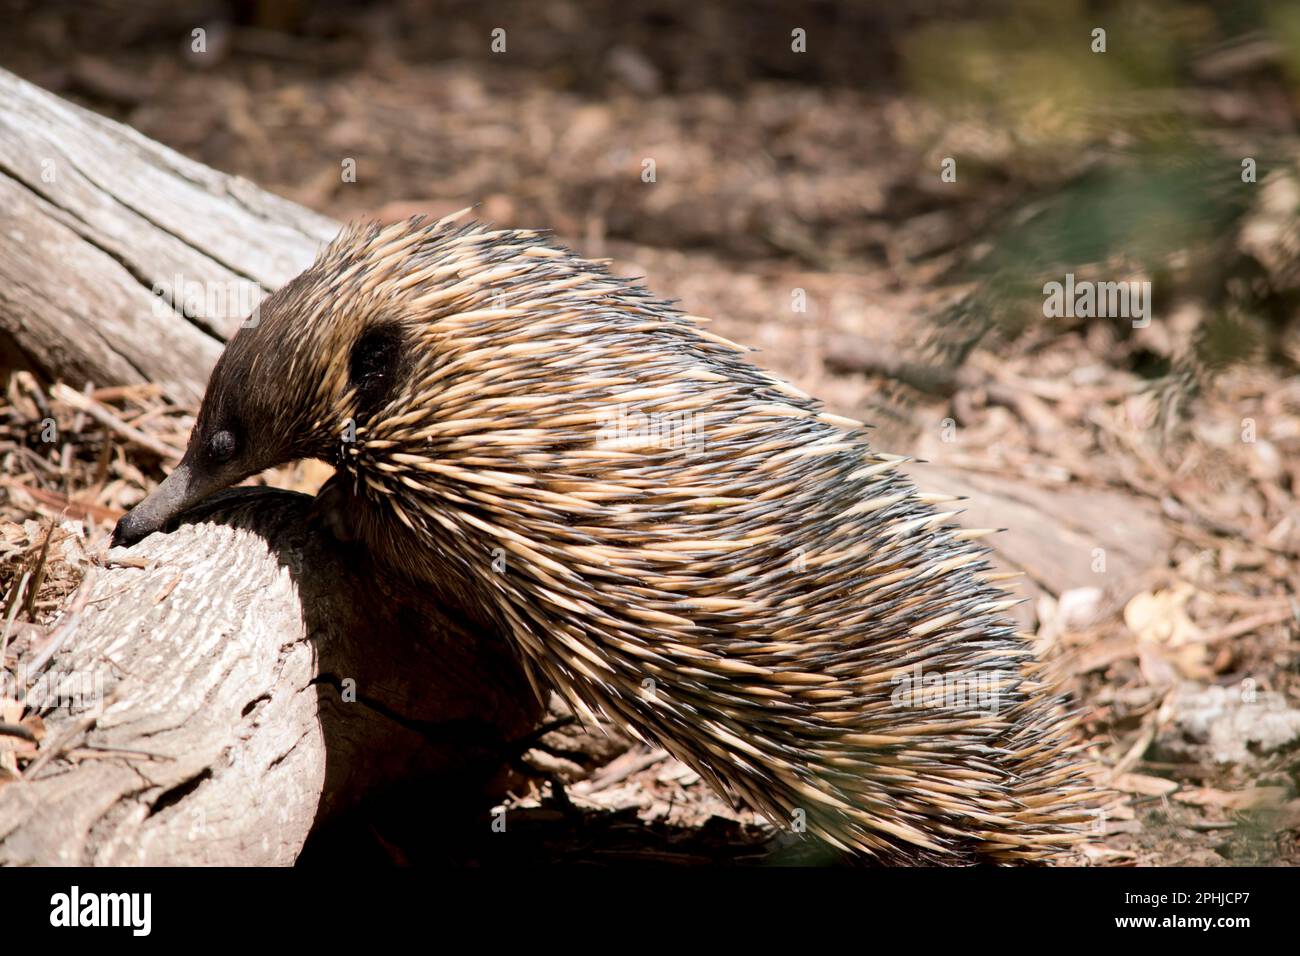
(1143, 784)
(1173, 642)
(1256, 798)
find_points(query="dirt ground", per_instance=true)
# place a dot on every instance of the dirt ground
(773, 174)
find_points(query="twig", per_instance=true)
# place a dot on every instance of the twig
(11, 609)
(98, 752)
(64, 628)
(1246, 625)
(138, 391)
(17, 730)
(608, 780)
(38, 575)
(55, 499)
(1139, 747)
(106, 417)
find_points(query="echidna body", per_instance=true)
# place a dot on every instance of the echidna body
(670, 536)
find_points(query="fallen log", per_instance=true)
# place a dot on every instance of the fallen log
(121, 260)
(229, 687)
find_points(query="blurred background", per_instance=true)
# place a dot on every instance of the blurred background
(800, 200)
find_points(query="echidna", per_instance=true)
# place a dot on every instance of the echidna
(669, 536)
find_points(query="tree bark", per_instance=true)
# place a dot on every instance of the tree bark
(251, 681)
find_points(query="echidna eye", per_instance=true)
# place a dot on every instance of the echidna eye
(222, 446)
(373, 367)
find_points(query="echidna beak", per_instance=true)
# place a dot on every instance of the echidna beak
(181, 489)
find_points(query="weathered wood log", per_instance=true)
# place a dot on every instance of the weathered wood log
(121, 260)
(249, 682)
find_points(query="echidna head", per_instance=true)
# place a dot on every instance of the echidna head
(289, 385)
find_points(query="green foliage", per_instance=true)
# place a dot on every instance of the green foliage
(1114, 171)
(1141, 207)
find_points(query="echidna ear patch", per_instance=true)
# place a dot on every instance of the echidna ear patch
(374, 367)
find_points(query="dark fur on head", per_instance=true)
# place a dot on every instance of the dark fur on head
(295, 381)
